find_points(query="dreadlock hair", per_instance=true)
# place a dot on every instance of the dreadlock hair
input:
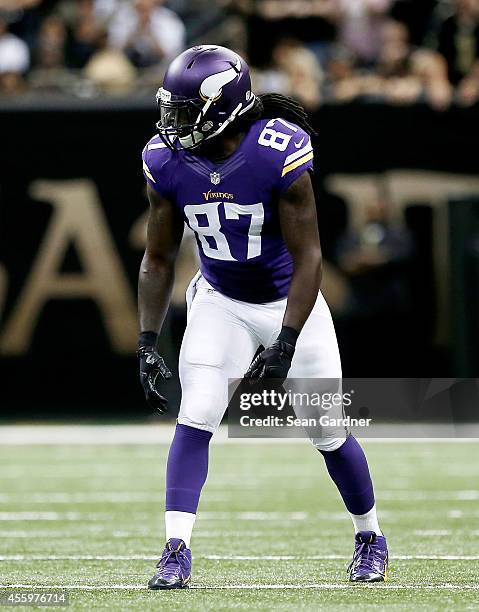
(266, 106)
(270, 106)
(277, 105)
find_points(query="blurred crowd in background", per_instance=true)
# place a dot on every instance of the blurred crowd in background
(400, 51)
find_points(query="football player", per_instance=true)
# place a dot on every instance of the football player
(236, 168)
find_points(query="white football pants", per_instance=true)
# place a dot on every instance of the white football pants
(221, 338)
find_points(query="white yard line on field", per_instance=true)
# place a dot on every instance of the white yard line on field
(230, 557)
(114, 497)
(412, 495)
(99, 516)
(208, 517)
(105, 435)
(154, 433)
(338, 557)
(58, 497)
(65, 497)
(106, 531)
(55, 516)
(432, 532)
(141, 587)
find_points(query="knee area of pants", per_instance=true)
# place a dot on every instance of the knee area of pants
(327, 444)
(197, 424)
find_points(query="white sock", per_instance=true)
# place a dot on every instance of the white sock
(366, 522)
(179, 525)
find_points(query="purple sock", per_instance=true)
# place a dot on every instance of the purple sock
(349, 469)
(187, 468)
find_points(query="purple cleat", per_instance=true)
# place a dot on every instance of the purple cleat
(370, 559)
(174, 567)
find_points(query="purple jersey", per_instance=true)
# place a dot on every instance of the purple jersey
(232, 206)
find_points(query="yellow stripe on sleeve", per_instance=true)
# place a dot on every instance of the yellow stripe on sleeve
(297, 163)
(146, 170)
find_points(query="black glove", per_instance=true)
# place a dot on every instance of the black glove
(275, 361)
(151, 366)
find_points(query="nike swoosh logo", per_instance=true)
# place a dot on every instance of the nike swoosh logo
(298, 144)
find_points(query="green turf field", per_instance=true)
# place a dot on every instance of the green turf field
(271, 534)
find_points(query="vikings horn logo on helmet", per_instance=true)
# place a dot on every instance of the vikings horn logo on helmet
(212, 86)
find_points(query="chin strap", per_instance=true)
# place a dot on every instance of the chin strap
(239, 110)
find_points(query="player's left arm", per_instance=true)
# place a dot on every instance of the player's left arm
(299, 226)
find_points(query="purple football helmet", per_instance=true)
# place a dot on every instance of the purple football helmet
(204, 90)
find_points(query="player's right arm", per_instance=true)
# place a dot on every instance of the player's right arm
(157, 270)
(155, 283)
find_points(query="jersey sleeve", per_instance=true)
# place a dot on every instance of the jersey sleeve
(297, 158)
(157, 166)
(285, 150)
